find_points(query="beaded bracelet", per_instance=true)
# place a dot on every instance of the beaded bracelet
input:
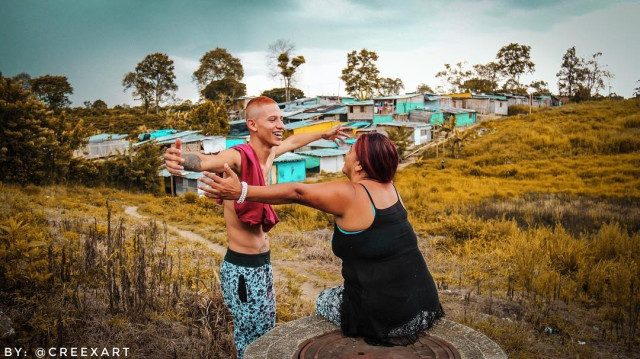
(243, 194)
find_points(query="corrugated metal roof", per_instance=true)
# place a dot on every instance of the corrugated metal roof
(304, 116)
(323, 152)
(336, 110)
(106, 137)
(185, 174)
(360, 103)
(183, 135)
(404, 124)
(358, 124)
(396, 97)
(288, 157)
(330, 144)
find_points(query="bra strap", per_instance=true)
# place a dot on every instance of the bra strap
(369, 194)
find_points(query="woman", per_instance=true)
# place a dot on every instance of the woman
(388, 296)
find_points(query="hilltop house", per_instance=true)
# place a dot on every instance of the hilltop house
(104, 145)
(421, 132)
(360, 110)
(397, 107)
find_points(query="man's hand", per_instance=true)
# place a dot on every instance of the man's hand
(336, 135)
(173, 158)
(215, 186)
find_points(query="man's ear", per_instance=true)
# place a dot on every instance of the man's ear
(251, 125)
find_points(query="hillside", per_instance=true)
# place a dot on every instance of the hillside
(532, 235)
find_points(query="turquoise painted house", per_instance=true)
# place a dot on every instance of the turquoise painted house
(397, 107)
(436, 115)
(288, 167)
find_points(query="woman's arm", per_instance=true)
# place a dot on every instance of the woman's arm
(331, 197)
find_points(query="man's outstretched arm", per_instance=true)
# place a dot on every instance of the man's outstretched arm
(176, 161)
(293, 142)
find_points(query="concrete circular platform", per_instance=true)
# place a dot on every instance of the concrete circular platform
(315, 337)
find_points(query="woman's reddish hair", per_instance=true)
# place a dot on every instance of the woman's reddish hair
(378, 156)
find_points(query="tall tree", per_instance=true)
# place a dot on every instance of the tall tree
(288, 70)
(279, 94)
(489, 74)
(424, 88)
(571, 73)
(477, 85)
(273, 52)
(361, 74)
(225, 89)
(216, 65)
(595, 75)
(453, 76)
(23, 135)
(539, 88)
(636, 91)
(390, 87)
(515, 60)
(53, 90)
(24, 79)
(153, 78)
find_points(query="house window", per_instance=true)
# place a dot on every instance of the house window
(423, 132)
(350, 109)
(361, 108)
(500, 104)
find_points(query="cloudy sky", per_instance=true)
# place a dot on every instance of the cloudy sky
(96, 42)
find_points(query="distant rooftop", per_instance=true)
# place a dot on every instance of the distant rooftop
(323, 152)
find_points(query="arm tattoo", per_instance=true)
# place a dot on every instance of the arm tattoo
(191, 162)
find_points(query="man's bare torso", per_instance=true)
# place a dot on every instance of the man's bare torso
(243, 237)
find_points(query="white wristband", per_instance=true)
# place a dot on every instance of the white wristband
(243, 194)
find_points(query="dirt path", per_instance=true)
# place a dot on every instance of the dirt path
(309, 290)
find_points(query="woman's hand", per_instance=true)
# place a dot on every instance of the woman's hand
(215, 186)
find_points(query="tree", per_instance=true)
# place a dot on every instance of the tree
(276, 48)
(99, 105)
(424, 88)
(514, 60)
(490, 73)
(224, 89)
(211, 117)
(24, 79)
(401, 138)
(153, 79)
(288, 70)
(35, 147)
(279, 94)
(216, 65)
(571, 73)
(539, 88)
(454, 76)
(52, 90)
(389, 86)
(361, 74)
(594, 75)
(636, 91)
(477, 85)
(23, 135)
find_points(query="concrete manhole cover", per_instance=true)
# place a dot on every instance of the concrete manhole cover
(335, 345)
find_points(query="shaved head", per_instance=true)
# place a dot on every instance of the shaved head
(255, 105)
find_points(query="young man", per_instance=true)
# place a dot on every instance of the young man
(246, 276)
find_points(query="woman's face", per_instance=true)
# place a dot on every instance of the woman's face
(350, 162)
